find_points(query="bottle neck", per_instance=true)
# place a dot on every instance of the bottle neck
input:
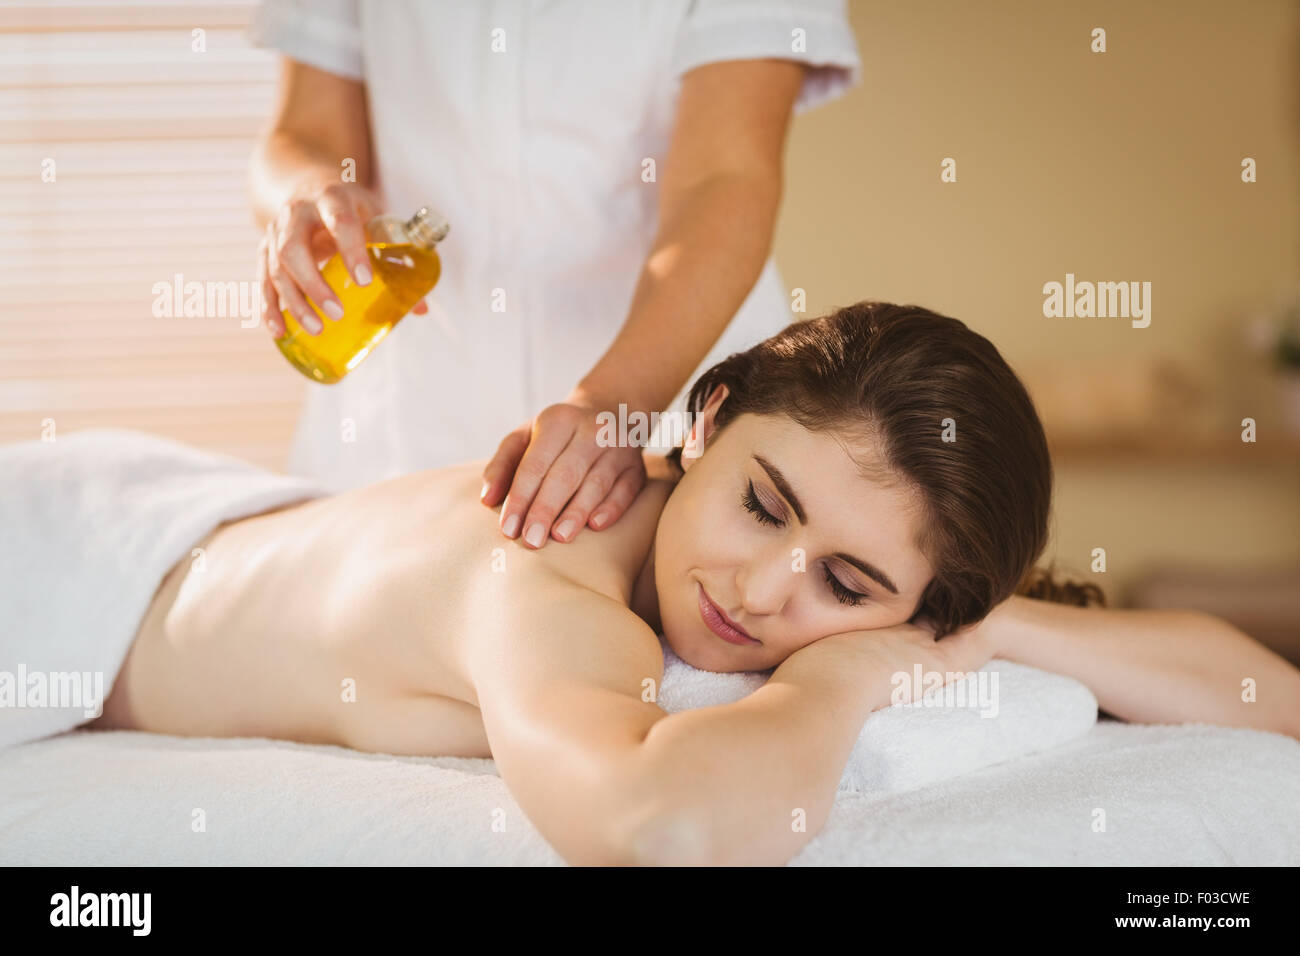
(427, 227)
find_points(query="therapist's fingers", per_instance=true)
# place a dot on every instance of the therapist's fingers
(499, 471)
(626, 487)
(595, 488)
(344, 210)
(312, 288)
(293, 254)
(287, 291)
(552, 430)
(564, 477)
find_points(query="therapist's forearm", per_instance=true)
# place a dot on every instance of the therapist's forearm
(1156, 666)
(711, 246)
(283, 165)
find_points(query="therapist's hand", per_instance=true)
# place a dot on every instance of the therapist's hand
(319, 220)
(558, 478)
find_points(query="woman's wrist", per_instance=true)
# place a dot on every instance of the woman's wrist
(848, 668)
(1007, 626)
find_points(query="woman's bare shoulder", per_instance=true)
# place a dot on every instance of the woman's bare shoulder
(609, 560)
(442, 506)
(557, 626)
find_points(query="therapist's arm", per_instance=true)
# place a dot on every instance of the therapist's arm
(719, 190)
(319, 129)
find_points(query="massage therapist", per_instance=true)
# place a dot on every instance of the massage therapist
(612, 173)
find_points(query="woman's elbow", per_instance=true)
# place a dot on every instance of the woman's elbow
(660, 818)
(628, 824)
(639, 824)
(678, 836)
(665, 837)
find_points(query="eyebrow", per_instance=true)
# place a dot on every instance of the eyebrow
(787, 492)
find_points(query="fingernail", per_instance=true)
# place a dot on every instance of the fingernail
(311, 324)
(535, 535)
(598, 519)
(362, 274)
(483, 494)
(565, 528)
(511, 527)
(333, 310)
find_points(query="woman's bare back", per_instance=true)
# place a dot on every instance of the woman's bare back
(344, 619)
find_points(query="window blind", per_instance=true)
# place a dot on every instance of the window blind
(123, 168)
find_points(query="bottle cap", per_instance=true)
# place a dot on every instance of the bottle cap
(427, 226)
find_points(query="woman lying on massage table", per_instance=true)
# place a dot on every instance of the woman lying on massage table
(853, 487)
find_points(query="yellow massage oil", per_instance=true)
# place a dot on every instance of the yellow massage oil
(404, 267)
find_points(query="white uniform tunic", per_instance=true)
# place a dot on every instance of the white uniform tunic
(527, 125)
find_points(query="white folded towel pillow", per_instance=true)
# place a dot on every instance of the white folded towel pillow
(1003, 711)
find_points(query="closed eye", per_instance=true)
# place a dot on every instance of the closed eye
(842, 594)
(755, 507)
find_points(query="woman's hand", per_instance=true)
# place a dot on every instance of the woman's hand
(554, 461)
(308, 229)
(883, 660)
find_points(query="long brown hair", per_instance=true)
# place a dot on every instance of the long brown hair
(902, 377)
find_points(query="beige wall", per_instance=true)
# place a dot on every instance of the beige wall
(1116, 166)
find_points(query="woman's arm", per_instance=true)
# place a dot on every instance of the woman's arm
(609, 778)
(1154, 666)
(749, 783)
(732, 782)
(558, 682)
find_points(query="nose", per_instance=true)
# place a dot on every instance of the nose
(766, 582)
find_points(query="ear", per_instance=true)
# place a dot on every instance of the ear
(703, 426)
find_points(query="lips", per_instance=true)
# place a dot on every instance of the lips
(718, 622)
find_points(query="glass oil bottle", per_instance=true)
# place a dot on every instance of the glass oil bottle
(404, 267)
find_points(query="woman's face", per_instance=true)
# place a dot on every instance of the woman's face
(775, 526)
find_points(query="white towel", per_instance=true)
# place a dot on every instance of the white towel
(93, 521)
(953, 731)
(1121, 795)
(89, 525)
